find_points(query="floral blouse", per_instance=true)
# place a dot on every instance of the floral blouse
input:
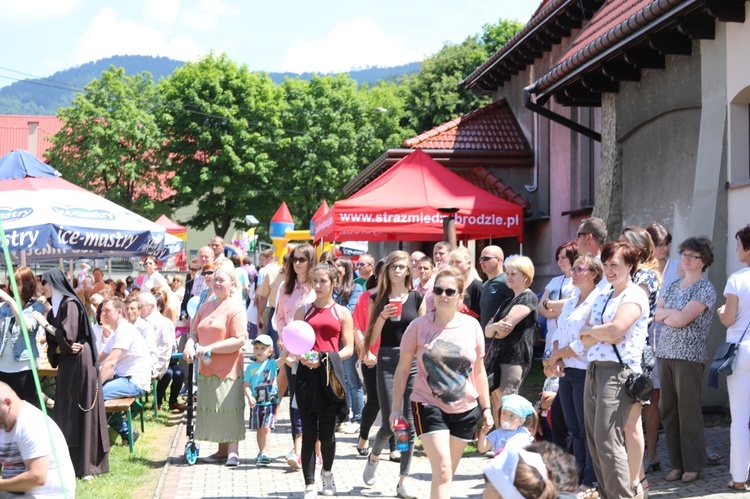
(631, 347)
(647, 278)
(687, 342)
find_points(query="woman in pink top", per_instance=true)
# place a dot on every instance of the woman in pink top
(217, 334)
(451, 391)
(296, 291)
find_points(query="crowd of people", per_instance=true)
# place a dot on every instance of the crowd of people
(441, 353)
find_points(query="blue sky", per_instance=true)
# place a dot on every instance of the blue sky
(41, 37)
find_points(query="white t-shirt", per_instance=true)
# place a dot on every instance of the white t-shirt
(738, 284)
(136, 358)
(631, 346)
(28, 440)
(559, 288)
(572, 318)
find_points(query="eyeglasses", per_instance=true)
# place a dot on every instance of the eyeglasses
(362, 264)
(207, 272)
(299, 260)
(398, 267)
(579, 270)
(583, 234)
(487, 258)
(690, 256)
(438, 291)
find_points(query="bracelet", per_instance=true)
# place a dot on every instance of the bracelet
(381, 316)
(544, 304)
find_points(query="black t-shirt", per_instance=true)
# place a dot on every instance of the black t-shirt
(473, 296)
(495, 292)
(390, 335)
(516, 348)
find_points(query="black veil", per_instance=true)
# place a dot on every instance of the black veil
(57, 281)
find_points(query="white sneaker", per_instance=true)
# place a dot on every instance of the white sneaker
(329, 488)
(311, 492)
(292, 459)
(351, 428)
(369, 474)
(405, 492)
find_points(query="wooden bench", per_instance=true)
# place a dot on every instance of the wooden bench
(123, 405)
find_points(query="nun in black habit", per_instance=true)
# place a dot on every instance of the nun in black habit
(79, 405)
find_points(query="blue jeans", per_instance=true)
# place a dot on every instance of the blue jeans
(570, 394)
(354, 394)
(115, 388)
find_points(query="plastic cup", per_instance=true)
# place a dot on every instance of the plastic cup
(399, 304)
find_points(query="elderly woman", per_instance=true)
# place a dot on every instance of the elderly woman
(15, 366)
(218, 333)
(572, 354)
(685, 307)
(735, 315)
(460, 258)
(451, 392)
(79, 405)
(616, 329)
(559, 289)
(514, 330)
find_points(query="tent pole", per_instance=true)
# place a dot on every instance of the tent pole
(23, 258)
(521, 248)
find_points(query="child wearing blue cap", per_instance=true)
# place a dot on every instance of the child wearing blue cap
(518, 422)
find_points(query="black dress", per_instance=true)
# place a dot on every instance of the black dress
(79, 404)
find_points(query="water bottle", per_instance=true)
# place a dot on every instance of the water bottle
(206, 356)
(401, 433)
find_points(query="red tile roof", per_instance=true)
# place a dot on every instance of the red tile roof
(481, 177)
(613, 23)
(14, 133)
(492, 127)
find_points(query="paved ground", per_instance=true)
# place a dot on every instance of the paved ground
(247, 480)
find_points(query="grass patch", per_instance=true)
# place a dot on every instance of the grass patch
(137, 474)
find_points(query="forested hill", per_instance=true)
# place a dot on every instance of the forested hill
(45, 96)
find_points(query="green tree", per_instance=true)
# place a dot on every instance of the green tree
(326, 136)
(109, 139)
(220, 121)
(432, 95)
(496, 35)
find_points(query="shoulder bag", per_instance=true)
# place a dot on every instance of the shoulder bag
(724, 361)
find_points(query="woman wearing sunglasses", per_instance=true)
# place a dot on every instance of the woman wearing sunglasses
(451, 392)
(570, 359)
(392, 309)
(515, 328)
(208, 277)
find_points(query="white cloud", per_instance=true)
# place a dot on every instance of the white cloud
(38, 10)
(351, 44)
(107, 35)
(205, 15)
(162, 11)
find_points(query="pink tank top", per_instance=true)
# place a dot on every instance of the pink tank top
(327, 326)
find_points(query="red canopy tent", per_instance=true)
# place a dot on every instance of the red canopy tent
(403, 204)
(172, 227)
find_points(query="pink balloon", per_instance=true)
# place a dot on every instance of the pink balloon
(299, 337)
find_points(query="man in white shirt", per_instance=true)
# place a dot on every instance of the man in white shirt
(125, 362)
(217, 246)
(414, 259)
(592, 234)
(168, 371)
(29, 467)
(205, 256)
(147, 330)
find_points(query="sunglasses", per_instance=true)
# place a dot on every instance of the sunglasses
(487, 258)
(438, 291)
(398, 267)
(362, 264)
(44, 283)
(191, 269)
(207, 272)
(299, 260)
(582, 234)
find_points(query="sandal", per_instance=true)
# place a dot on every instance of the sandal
(649, 466)
(712, 456)
(740, 487)
(690, 476)
(673, 475)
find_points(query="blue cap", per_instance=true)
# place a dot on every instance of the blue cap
(517, 405)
